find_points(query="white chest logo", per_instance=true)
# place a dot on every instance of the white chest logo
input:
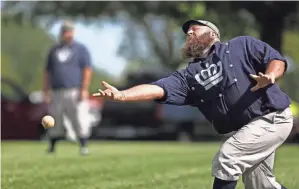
(63, 54)
(210, 76)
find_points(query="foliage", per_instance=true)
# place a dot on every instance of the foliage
(269, 16)
(23, 54)
(147, 44)
(289, 83)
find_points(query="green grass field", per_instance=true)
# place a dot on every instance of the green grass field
(124, 165)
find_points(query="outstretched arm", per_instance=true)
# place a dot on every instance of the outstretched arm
(169, 90)
(138, 93)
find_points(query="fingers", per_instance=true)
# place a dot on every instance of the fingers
(255, 88)
(261, 74)
(97, 94)
(108, 86)
(270, 77)
(101, 93)
(107, 93)
(255, 77)
(263, 80)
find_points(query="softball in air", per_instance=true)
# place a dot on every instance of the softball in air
(48, 122)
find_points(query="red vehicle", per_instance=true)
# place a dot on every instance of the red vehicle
(21, 113)
(20, 118)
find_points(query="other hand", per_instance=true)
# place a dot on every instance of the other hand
(263, 80)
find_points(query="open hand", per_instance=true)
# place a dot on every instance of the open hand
(110, 93)
(263, 80)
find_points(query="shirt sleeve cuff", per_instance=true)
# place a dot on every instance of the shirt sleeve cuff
(163, 100)
(267, 61)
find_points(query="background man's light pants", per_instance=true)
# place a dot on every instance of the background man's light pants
(250, 151)
(65, 102)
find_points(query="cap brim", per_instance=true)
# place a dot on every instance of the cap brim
(65, 29)
(187, 24)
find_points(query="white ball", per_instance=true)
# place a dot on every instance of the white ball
(48, 121)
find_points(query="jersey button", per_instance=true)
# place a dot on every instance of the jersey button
(192, 88)
(235, 80)
(231, 65)
(201, 100)
(220, 95)
(227, 52)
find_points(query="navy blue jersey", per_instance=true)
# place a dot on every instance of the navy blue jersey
(219, 85)
(65, 64)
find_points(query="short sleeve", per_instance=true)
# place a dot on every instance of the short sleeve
(262, 53)
(176, 89)
(86, 60)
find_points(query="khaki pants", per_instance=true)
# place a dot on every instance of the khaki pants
(65, 103)
(250, 151)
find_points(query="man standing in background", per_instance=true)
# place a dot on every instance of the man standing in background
(66, 81)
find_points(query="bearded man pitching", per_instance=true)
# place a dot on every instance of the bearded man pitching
(233, 85)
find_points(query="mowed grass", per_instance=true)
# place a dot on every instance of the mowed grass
(124, 165)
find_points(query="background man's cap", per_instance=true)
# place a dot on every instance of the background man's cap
(187, 24)
(67, 26)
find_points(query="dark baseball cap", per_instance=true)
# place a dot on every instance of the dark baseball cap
(67, 26)
(187, 24)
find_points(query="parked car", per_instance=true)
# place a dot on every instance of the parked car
(21, 113)
(20, 118)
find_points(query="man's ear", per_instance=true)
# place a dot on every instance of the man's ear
(214, 35)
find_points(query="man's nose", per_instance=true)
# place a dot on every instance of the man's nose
(190, 32)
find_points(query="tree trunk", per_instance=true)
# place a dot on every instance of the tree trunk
(271, 18)
(272, 25)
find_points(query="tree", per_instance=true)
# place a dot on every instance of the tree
(272, 17)
(147, 44)
(233, 18)
(23, 54)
